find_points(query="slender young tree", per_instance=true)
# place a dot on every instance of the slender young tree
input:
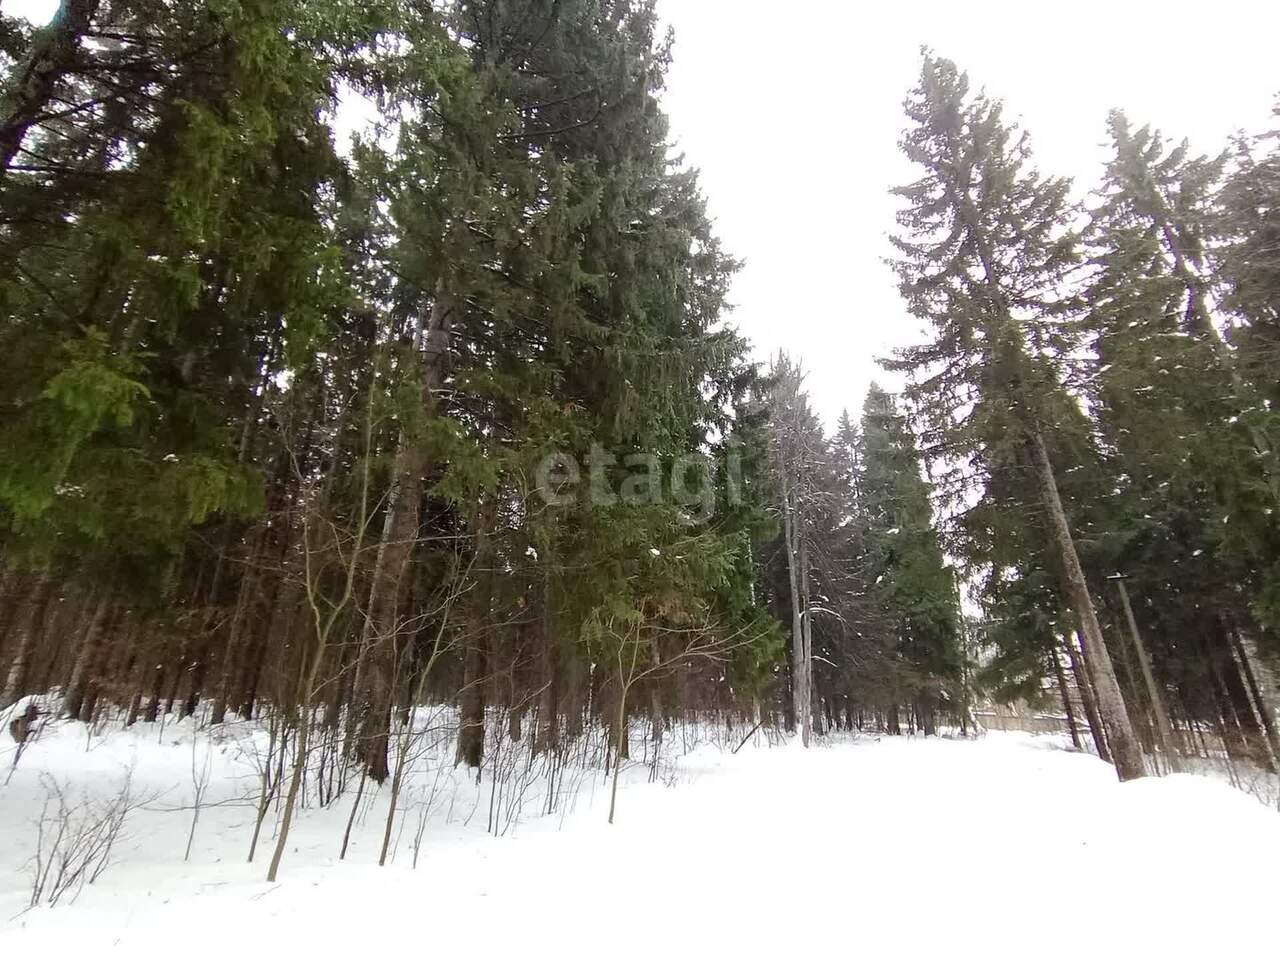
(798, 453)
(905, 571)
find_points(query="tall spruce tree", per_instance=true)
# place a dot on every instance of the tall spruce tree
(903, 562)
(1189, 492)
(983, 257)
(1248, 262)
(798, 455)
(1247, 265)
(281, 407)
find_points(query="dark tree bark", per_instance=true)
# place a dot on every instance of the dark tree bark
(1125, 749)
(656, 716)
(1085, 686)
(1065, 693)
(471, 698)
(1263, 708)
(376, 671)
(1154, 694)
(31, 88)
(28, 625)
(547, 735)
(86, 658)
(574, 698)
(232, 668)
(471, 709)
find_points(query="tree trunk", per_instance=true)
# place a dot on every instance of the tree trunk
(471, 698)
(10, 584)
(620, 748)
(232, 669)
(376, 671)
(812, 700)
(1250, 723)
(1224, 716)
(299, 767)
(1124, 744)
(27, 628)
(656, 715)
(471, 708)
(81, 673)
(546, 736)
(1163, 727)
(32, 85)
(800, 652)
(924, 707)
(574, 696)
(1265, 713)
(1066, 698)
(1085, 686)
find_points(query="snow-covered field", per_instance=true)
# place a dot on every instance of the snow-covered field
(1004, 846)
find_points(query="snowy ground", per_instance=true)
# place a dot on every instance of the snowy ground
(1005, 846)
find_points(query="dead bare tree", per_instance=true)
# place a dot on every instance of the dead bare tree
(451, 590)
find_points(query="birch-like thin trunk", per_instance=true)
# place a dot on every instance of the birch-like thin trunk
(655, 702)
(799, 669)
(806, 624)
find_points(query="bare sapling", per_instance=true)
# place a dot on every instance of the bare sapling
(201, 773)
(75, 839)
(326, 614)
(424, 812)
(268, 783)
(455, 586)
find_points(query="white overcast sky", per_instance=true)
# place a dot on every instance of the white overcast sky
(792, 112)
